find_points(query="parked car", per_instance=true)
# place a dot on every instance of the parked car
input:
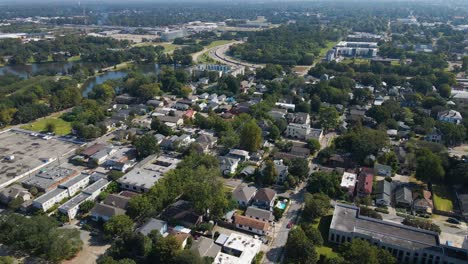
(453, 221)
(290, 225)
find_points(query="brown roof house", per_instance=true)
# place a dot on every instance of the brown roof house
(252, 225)
(265, 198)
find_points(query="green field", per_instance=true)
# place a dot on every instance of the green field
(443, 198)
(205, 59)
(61, 127)
(218, 43)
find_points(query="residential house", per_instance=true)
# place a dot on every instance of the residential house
(153, 225)
(265, 198)
(259, 214)
(182, 212)
(403, 197)
(122, 159)
(243, 194)
(251, 225)
(117, 200)
(207, 142)
(348, 182)
(450, 116)
(239, 154)
(382, 170)
(14, 192)
(182, 238)
(423, 203)
(171, 121)
(365, 180)
(205, 247)
(298, 118)
(228, 165)
(104, 212)
(277, 113)
(383, 193)
(281, 170)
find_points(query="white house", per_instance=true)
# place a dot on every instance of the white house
(303, 131)
(450, 116)
(228, 165)
(281, 170)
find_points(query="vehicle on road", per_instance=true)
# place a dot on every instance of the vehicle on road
(453, 221)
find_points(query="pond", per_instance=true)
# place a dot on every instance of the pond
(114, 75)
(26, 71)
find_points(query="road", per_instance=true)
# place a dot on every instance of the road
(280, 231)
(219, 54)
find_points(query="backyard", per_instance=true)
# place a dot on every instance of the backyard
(443, 198)
(323, 225)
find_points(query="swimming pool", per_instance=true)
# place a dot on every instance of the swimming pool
(281, 204)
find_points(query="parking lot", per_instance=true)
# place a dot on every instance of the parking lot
(22, 153)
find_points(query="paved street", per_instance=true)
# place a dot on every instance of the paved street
(275, 254)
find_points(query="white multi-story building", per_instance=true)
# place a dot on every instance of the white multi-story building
(76, 184)
(48, 200)
(300, 131)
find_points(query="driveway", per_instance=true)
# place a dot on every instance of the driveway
(93, 248)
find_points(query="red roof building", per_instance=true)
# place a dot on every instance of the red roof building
(365, 180)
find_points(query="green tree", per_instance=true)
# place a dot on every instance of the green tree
(269, 175)
(316, 205)
(313, 145)
(86, 206)
(118, 225)
(160, 127)
(360, 251)
(146, 145)
(429, 166)
(452, 134)
(251, 136)
(325, 182)
(50, 127)
(313, 234)
(299, 249)
(274, 132)
(299, 167)
(165, 250)
(329, 118)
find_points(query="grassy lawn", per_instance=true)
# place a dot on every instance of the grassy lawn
(323, 225)
(218, 43)
(74, 58)
(356, 60)
(205, 59)
(61, 127)
(442, 198)
(328, 46)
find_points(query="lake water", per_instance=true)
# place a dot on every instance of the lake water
(26, 71)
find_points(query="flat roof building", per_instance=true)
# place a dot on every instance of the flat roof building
(406, 244)
(48, 200)
(238, 249)
(147, 173)
(50, 178)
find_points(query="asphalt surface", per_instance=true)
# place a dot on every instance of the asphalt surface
(276, 252)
